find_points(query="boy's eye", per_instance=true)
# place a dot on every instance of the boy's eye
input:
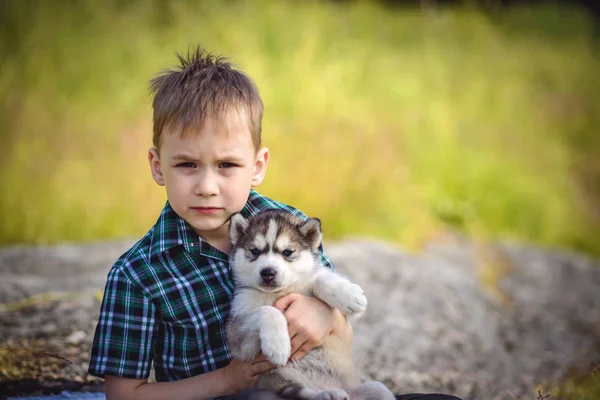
(255, 251)
(186, 165)
(226, 165)
(287, 252)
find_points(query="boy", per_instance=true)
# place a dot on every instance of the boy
(167, 298)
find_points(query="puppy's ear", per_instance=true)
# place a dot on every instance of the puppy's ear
(311, 230)
(237, 226)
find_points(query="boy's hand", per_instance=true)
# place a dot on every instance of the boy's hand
(309, 321)
(241, 375)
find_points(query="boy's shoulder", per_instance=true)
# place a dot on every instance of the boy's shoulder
(169, 231)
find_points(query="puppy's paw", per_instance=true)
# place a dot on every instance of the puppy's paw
(277, 347)
(332, 394)
(350, 299)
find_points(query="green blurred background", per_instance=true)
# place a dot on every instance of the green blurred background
(390, 122)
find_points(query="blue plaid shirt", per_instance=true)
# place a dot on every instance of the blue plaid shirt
(166, 300)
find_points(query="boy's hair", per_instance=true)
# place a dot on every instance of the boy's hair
(204, 86)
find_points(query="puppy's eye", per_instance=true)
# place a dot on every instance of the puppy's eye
(255, 251)
(287, 253)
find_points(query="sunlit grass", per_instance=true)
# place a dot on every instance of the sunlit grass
(388, 123)
(580, 385)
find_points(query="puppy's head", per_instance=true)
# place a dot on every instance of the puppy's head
(274, 249)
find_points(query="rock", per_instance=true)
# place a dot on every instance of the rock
(28, 271)
(491, 322)
(48, 328)
(433, 325)
(76, 337)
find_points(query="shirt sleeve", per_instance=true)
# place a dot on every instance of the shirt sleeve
(124, 336)
(325, 260)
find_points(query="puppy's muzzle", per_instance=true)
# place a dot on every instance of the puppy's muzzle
(268, 275)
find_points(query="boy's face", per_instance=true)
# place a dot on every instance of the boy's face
(208, 174)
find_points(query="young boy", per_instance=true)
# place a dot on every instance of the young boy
(167, 298)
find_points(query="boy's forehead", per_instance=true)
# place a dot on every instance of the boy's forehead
(232, 125)
(234, 121)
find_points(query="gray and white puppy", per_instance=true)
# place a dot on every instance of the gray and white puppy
(276, 253)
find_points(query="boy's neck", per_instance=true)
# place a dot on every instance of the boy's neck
(220, 240)
(223, 245)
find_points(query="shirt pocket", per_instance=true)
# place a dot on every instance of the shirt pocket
(194, 297)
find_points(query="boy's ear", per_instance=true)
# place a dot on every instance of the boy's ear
(311, 230)
(155, 166)
(237, 226)
(260, 166)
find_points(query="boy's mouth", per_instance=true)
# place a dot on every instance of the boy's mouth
(206, 210)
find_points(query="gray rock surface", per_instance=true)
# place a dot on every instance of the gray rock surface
(433, 325)
(478, 322)
(27, 271)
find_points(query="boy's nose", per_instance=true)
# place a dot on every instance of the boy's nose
(206, 185)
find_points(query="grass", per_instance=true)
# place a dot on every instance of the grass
(581, 385)
(383, 122)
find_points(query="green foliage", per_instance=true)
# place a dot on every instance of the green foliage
(382, 122)
(584, 385)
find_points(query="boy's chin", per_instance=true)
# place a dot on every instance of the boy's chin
(211, 228)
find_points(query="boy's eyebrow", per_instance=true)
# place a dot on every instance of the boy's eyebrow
(182, 157)
(224, 157)
(230, 158)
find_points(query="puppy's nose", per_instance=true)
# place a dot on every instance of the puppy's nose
(268, 274)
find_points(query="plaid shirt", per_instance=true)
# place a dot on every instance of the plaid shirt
(167, 300)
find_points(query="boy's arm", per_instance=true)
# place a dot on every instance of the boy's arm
(342, 327)
(310, 320)
(199, 387)
(124, 338)
(221, 382)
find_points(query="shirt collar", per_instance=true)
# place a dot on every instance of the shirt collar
(253, 204)
(170, 231)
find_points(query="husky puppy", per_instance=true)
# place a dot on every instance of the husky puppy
(274, 254)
